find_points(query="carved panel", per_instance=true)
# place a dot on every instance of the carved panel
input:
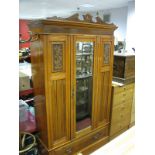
(106, 57)
(57, 55)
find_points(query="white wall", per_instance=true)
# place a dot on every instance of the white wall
(124, 18)
(130, 35)
(119, 18)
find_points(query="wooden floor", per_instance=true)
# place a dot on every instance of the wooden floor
(121, 145)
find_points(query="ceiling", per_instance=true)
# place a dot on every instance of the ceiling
(29, 9)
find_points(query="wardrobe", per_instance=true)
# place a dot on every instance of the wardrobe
(72, 68)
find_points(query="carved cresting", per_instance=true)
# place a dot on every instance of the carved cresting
(74, 17)
(88, 18)
(57, 49)
(99, 20)
(106, 53)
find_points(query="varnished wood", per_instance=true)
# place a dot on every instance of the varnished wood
(132, 121)
(118, 133)
(70, 27)
(122, 98)
(97, 137)
(73, 87)
(59, 94)
(39, 77)
(119, 126)
(83, 142)
(95, 146)
(121, 113)
(105, 69)
(119, 89)
(55, 86)
(104, 83)
(124, 68)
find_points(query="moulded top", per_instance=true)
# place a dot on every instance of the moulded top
(72, 25)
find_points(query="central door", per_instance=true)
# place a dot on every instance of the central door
(83, 77)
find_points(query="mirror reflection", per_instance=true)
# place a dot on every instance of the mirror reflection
(84, 69)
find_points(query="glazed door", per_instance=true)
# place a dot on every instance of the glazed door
(83, 77)
(58, 88)
(105, 58)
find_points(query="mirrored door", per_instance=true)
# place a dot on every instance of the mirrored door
(84, 84)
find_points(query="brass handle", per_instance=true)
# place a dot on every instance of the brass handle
(68, 150)
(96, 136)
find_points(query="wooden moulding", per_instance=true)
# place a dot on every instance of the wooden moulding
(72, 24)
